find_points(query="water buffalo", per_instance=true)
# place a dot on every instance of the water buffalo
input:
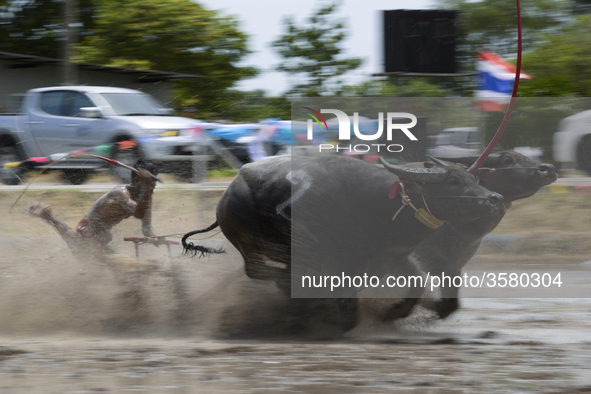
(338, 212)
(449, 248)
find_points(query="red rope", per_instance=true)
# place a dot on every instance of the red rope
(503, 125)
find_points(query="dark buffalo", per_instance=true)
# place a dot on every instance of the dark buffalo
(337, 212)
(449, 248)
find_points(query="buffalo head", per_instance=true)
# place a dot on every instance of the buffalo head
(451, 193)
(511, 174)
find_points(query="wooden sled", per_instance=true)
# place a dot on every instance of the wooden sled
(143, 240)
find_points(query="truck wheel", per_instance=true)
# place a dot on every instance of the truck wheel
(584, 154)
(127, 156)
(10, 175)
(75, 177)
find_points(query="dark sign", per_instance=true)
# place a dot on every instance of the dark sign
(420, 41)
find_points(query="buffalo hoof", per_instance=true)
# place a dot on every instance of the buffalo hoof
(399, 310)
(442, 307)
(341, 312)
(284, 285)
(446, 307)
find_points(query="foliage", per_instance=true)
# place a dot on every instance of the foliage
(313, 50)
(581, 7)
(482, 26)
(223, 172)
(254, 106)
(251, 106)
(174, 35)
(562, 63)
(492, 25)
(399, 87)
(35, 27)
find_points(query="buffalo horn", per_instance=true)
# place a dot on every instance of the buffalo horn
(426, 175)
(437, 161)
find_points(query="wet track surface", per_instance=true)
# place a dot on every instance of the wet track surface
(194, 325)
(437, 360)
(190, 325)
(346, 366)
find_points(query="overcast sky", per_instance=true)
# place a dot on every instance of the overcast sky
(262, 20)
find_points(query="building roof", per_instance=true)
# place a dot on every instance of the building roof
(20, 60)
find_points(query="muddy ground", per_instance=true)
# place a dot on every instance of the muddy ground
(180, 324)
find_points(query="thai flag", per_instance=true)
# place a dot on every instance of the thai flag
(495, 79)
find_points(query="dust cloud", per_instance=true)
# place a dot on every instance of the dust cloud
(45, 290)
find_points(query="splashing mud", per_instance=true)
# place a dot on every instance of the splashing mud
(45, 290)
(183, 324)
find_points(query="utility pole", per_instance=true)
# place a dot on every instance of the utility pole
(69, 70)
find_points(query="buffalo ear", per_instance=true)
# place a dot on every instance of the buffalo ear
(493, 159)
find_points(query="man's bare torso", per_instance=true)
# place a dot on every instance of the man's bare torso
(93, 232)
(111, 208)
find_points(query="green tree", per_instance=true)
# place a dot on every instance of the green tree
(399, 87)
(581, 7)
(313, 52)
(35, 27)
(174, 35)
(561, 64)
(492, 25)
(252, 106)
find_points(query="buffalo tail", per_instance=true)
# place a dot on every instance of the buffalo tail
(198, 249)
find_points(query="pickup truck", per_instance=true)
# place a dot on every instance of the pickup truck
(131, 124)
(455, 142)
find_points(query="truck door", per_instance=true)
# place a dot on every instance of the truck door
(58, 126)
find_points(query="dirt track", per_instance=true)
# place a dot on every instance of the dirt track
(185, 325)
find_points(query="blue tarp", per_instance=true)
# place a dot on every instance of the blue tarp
(284, 132)
(232, 132)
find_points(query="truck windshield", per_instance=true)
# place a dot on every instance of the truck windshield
(129, 104)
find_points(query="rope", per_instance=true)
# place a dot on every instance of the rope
(405, 201)
(35, 176)
(426, 206)
(485, 198)
(68, 156)
(425, 217)
(508, 168)
(181, 234)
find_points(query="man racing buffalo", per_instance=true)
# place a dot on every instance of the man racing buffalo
(93, 232)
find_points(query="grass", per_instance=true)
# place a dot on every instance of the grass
(222, 172)
(551, 227)
(548, 213)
